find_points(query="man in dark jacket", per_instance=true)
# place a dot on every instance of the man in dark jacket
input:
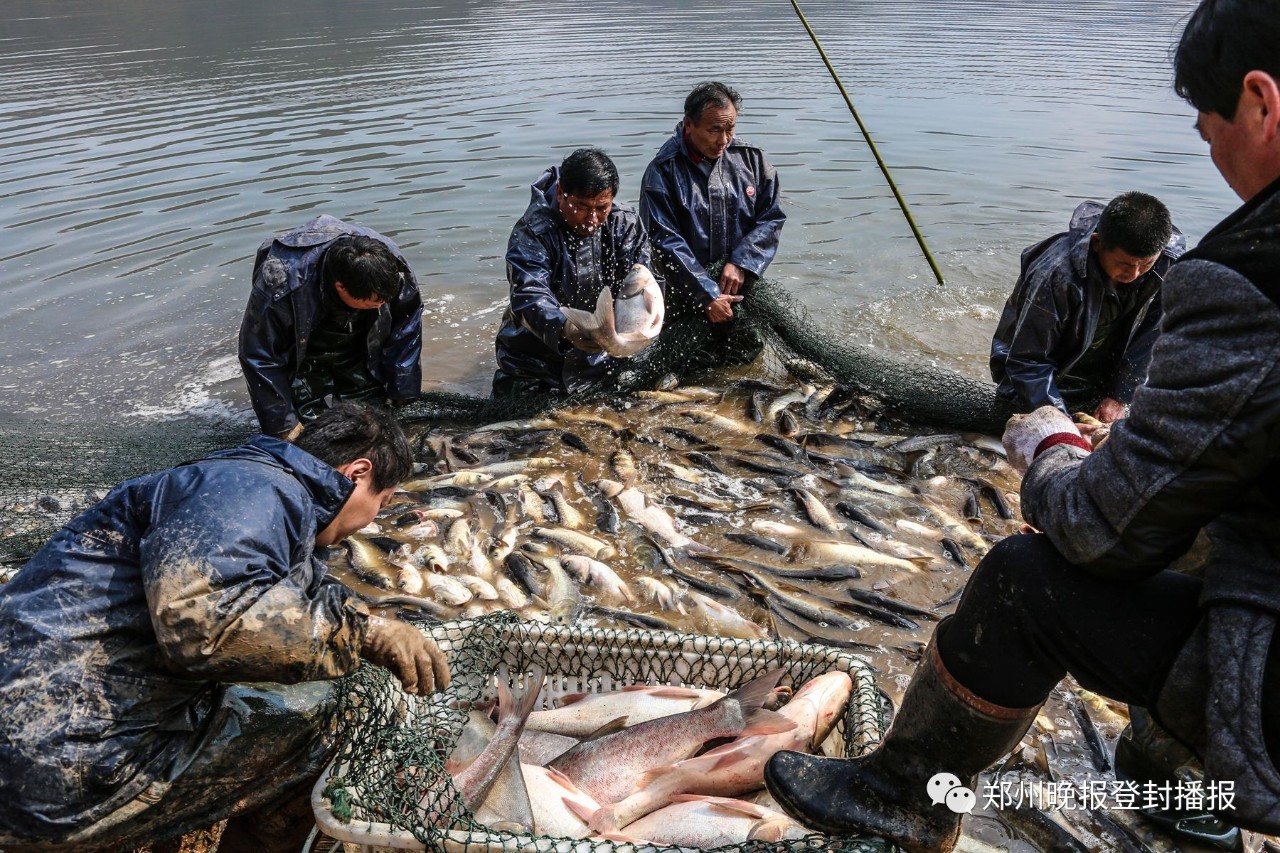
(1085, 311)
(123, 640)
(573, 240)
(335, 312)
(1092, 595)
(709, 197)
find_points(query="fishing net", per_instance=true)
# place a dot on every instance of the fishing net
(388, 788)
(49, 471)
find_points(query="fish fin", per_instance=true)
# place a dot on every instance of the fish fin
(614, 725)
(764, 722)
(537, 677)
(604, 310)
(621, 838)
(669, 692)
(570, 698)
(562, 780)
(752, 695)
(648, 777)
(725, 804)
(580, 810)
(584, 320)
(506, 702)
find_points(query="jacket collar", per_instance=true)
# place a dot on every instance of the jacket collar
(327, 488)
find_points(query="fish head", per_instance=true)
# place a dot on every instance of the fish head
(638, 279)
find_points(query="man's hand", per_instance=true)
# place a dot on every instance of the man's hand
(411, 657)
(1109, 411)
(720, 309)
(731, 279)
(1023, 434)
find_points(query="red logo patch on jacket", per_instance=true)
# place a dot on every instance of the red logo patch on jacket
(751, 191)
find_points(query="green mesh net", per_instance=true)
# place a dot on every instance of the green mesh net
(388, 786)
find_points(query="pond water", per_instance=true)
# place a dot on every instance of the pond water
(149, 146)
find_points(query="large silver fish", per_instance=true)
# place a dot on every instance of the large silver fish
(623, 325)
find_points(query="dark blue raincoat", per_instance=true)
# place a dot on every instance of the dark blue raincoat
(698, 213)
(1049, 320)
(119, 638)
(284, 308)
(549, 266)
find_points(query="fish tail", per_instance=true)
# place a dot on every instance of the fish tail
(753, 695)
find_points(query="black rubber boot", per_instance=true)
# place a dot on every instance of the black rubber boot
(940, 728)
(1147, 753)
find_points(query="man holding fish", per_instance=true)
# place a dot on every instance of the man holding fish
(167, 658)
(708, 197)
(1093, 595)
(566, 326)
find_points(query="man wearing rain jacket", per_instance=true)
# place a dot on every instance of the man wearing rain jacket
(128, 642)
(1085, 312)
(573, 240)
(335, 312)
(709, 197)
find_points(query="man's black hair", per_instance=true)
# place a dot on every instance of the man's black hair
(365, 266)
(1135, 223)
(710, 94)
(588, 172)
(351, 430)
(1223, 41)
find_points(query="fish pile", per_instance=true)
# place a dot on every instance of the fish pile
(760, 511)
(658, 764)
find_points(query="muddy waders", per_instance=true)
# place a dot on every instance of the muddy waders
(941, 727)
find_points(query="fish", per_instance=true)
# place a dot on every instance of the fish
(539, 747)
(735, 768)
(955, 528)
(557, 803)
(819, 551)
(693, 820)
(475, 781)
(581, 714)
(576, 541)
(648, 515)
(521, 568)
(553, 490)
(599, 575)
(508, 799)
(757, 541)
(659, 593)
(721, 621)
(816, 510)
(369, 564)
(447, 589)
(607, 767)
(626, 324)
(607, 519)
(564, 600)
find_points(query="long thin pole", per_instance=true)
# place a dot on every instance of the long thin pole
(902, 203)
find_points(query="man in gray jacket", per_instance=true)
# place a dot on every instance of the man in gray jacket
(1092, 595)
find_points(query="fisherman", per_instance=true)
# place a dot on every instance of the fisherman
(335, 312)
(1078, 329)
(1091, 595)
(706, 198)
(573, 240)
(135, 646)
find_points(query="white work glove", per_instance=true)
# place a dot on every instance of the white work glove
(401, 648)
(1024, 433)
